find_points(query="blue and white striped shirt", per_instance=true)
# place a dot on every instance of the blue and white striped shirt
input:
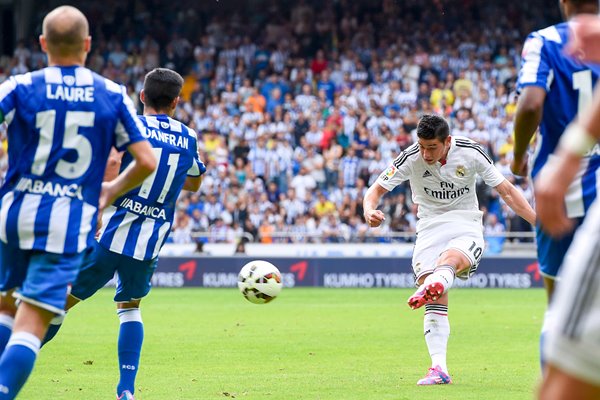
(62, 123)
(568, 85)
(137, 224)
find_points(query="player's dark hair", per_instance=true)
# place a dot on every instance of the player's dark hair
(582, 2)
(433, 126)
(584, 6)
(161, 87)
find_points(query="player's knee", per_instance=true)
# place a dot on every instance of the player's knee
(8, 304)
(128, 304)
(455, 259)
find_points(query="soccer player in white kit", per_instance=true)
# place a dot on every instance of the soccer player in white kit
(442, 171)
(572, 348)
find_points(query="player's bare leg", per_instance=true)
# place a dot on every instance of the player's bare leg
(559, 385)
(436, 326)
(8, 304)
(437, 331)
(549, 286)
(131, 337)
(32, 319)
(8, 309)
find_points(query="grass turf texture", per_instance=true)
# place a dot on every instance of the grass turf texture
(309, 343)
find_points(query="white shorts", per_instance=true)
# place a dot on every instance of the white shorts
(466, 237)
(572, 342)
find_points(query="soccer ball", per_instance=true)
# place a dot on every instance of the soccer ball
(259, 281)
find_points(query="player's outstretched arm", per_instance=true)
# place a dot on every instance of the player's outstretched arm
(515, 200)
(373, 217)
(143, 165)
(527, 119)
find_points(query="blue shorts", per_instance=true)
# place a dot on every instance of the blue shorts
(551, 252)
(41, 279)
(99, 267)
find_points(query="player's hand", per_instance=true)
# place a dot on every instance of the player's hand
(519, 166)
(550, 190)
(98, 226)
(107, 196)
(584, 38)
(374, 218)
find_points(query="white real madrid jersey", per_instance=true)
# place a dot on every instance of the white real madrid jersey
(444, 192)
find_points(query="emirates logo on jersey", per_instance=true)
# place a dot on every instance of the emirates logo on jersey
(460, 171)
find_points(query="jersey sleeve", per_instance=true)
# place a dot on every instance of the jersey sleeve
(7, 97)
(198, 168)
(399, 171)
(536, 69)
(485, 167)
(129, 128)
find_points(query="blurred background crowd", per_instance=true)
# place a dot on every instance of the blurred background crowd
(299, 105)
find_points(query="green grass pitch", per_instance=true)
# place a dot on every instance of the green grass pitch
(311, 343)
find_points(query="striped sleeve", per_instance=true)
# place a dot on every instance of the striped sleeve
(198, 168)
(7, 97)
(129, 128)
(535, 67)
(484, 164)
(479, 152)
(400, 169)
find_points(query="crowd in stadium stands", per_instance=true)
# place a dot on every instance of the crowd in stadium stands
(300, 105)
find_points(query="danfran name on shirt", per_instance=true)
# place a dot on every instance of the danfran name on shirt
(138, 222)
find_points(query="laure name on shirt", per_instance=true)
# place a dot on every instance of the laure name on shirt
(66, 93)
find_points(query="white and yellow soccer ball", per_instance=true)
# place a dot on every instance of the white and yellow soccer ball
(259, 281)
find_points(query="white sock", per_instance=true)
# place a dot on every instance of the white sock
(25, 339)
(437, 332)
(443, 274)
(129, 315)
(7, 321)
(547, 321)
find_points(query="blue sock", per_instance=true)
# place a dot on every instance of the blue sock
(53, 328)
(6, 324)
(17, 363)
(131, 337)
